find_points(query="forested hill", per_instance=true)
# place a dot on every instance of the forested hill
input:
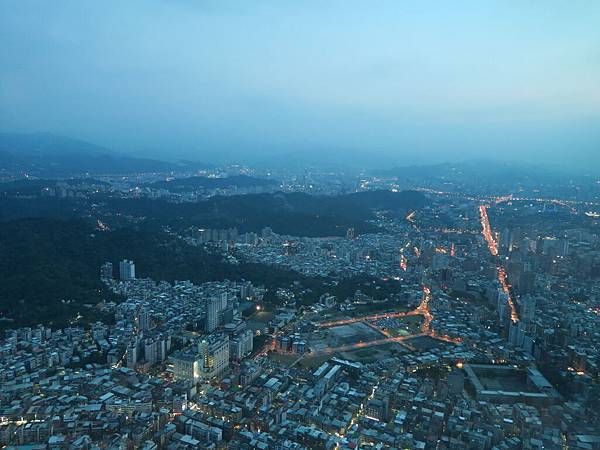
(45, 261)
(296, 214)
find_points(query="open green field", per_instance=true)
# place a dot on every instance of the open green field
(373, 308)
(259, 320)
(372, 354)
(408, 325)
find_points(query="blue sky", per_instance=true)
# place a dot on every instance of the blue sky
(412, 81)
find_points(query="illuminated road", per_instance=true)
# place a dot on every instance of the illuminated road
(411, 218)
(403, 263)
(506, 289)
(486, 230)
(510, 197)
(423, 309)
(374, 317)
(359, 345)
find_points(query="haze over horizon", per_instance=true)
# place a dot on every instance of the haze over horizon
(417, 81)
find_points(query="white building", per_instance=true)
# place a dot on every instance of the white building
(151, 351)
(241, 345)
(186, 366)
(132, 354)
(126, 270)
(214, 356)
(213, 313)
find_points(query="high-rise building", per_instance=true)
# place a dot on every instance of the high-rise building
(241, 345)
(235, 349)
(144, 319)
(350, 233)
(563, 247)
(214, 356)
(132, 354)
(528, 304)
(502, 307)
(224, 299)
(515, 239)
(246, 290)
(526, 283)
(186, 366)
(213, 313)
(491, 293)
(267, 233)
(203, 236)
(163, 345)
(516, 333)
(150, 351)
(378, 408)
(126, 270)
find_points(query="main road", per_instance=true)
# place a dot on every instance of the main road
(372, 318)
(359, 345)
(488, 235)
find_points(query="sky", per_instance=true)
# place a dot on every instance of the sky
(393, 82)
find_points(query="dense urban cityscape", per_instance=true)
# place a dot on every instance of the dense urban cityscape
(468, 321)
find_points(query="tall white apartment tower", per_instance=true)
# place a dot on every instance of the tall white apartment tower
(126, 270)
(213, 312)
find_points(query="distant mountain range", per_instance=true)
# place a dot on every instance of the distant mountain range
(49, 155)
(46, 155)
